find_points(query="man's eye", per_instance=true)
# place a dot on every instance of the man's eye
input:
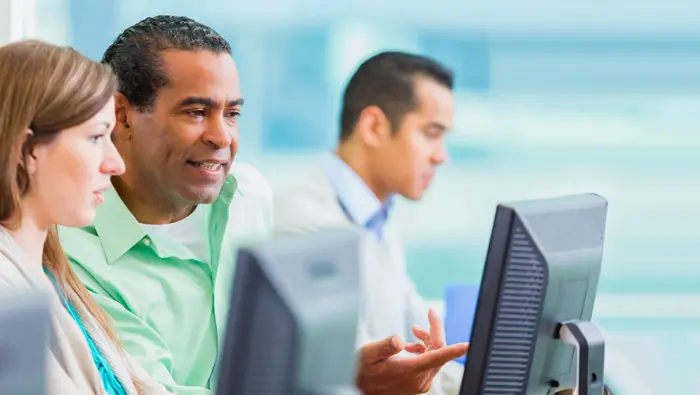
(197, 113)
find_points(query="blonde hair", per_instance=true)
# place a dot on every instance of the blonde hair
(45, 89)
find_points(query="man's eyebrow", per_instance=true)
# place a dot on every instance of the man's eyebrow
(235, 103)
(207, 102)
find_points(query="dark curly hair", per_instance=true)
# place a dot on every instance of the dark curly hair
(135, 54)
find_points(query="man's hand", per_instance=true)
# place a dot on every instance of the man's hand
(383, 372)
(433, 340)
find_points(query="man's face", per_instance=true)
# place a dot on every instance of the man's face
(183, 148)
(408, 160)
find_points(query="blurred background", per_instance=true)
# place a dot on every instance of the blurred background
(553, 97)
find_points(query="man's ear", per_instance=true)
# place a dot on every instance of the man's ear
(123, 111)
(373, 126)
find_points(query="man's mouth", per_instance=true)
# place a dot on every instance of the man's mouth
(210, 166)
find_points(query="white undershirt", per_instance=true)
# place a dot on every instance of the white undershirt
(190, 232)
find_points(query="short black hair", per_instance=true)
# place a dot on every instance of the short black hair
(387, 80)
(135, 54)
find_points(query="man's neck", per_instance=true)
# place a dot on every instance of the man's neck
(150, 208)
(355, 158)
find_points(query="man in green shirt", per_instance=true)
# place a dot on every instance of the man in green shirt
(160, 255)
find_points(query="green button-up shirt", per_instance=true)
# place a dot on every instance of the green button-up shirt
(169, 307)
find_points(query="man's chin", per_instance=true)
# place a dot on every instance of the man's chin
(414, 195)
(202, 195)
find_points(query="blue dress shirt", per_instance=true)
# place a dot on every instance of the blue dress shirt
(360, 204)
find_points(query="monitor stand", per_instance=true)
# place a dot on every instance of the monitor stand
(590, 351)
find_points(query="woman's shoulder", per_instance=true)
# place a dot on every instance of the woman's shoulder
(9, 269)
(12, 278)
(6, 241)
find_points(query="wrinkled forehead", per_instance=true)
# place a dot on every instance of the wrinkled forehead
(200, 73)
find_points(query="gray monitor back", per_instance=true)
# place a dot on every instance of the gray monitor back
(24, 333)
(542, 269)
(293, 319)
(568, 236)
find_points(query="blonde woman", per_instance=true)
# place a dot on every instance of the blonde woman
(56, 156)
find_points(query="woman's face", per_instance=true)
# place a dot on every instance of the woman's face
(69, 174)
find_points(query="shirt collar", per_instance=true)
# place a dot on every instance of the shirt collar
(360, 203)
(119, 231)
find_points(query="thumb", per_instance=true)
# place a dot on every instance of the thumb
(376, 352)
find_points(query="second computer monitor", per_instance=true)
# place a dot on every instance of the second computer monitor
(293, 317)
(531, 333)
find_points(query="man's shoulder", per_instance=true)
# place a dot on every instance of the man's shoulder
(314, 188)
(307, 205)
(252, 185)
(251, 208)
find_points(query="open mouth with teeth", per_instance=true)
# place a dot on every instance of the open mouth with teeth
(205, 165)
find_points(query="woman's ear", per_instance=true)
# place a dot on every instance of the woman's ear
(25, 156)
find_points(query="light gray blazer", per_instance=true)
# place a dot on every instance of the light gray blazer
(390, 302)
(70, 366)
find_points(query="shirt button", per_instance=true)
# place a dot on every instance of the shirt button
(146, 241)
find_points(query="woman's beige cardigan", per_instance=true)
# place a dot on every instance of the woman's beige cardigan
(70, 369)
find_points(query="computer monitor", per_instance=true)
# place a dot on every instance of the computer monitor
(24, 333)
(532, 333)
(292, 325)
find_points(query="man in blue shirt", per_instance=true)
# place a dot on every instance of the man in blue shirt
(397, 108)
